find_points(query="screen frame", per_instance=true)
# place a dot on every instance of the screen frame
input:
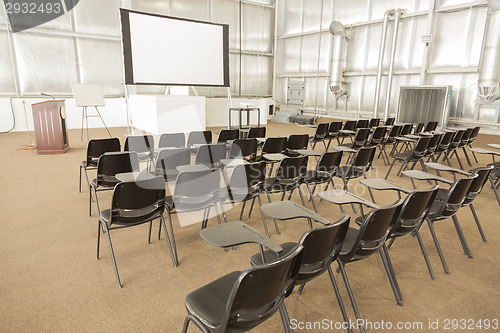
(128, 56)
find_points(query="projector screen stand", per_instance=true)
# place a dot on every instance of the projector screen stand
(86, 116)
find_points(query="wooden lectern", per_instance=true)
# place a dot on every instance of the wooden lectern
(49, 118)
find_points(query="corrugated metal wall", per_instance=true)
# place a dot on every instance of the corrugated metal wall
(84, 46)
(456, 26)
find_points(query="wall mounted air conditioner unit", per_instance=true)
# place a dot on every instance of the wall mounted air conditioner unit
(421, 104)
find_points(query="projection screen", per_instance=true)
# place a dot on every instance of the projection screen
(164, 50)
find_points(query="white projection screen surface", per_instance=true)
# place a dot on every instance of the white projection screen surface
(163, 50)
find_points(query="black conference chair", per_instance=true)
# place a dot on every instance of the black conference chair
(362, 123)
(359, 140)
(419, 128)
(227, 135)
(360, 165)
(455, 142)
(376, 140)
(401, 138)
(197, 138)
(463, 143)
(374, 122)
(448, 207)
(95, 148)
(108, 166)
(367, 240)
(321, 248)
(174, 140)
(246, 183)
(324, 172)
(168, 161)
(390, 140)
(210, 155)
(240, 301)
(442, 147)
(348, 130)
(319, 135)
(134, 203)
(389, 121)
(256, 132)
(243, 148)
(143, 145)
(333, 132)
(472, 138)
(194, 191)
(431, 126)
(415, 155)
(288, 177)
(295, 142)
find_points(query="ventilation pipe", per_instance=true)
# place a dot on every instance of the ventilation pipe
(396, 13)
(391, 63)
(338, 55)
(489, 68)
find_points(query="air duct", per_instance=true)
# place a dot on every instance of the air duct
(391, 63)
(489, 68)
(396, 13)
(338, 57)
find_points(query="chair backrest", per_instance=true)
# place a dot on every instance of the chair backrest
(211, 154)
(248, 176)
(446, 140)
(478, 183)
(321, 247)
(378, 135)
(259, 292)
(335, 127)
(414, 210)
(406, 129)
(292, 168)
(390, 121)
(394, 132)
(374, 122)
(321, 131)
(431, 126)
(228, 134)
(138, 202)
(243, 148)
(455, 197)
(457, 138)
(274, 145)
(329, 162)
(421, 146)
(362, 123)
(374, 231)
(297, 141)
(176, 140)
(466, 136)
(349, 125)
(97, 147)
(256, 132)
(360, 137)
(474, 134)
(195, 190)
(139, 144)
(116, 162)
(433, 143)
(199, 138)
(169, 159)
(419, 128)
(363, 158)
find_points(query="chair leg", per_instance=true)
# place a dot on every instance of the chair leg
(162, 223)
(391, 269)
(173, 237)
(285, 318)
(263, 216)
(113, 256)
(80, 181)
(339, 298)
(461, 236)
(477, 222)
(390, 168)
(242, 209)
(311, 197)
(495, 190)
(251, 208)
(149, 234)
(390, 277)
(474, 154)
(438, 247)
(98, 238)
(466, 156)
(351, 296)
(458, 159)
(424, 253)
(301, 196)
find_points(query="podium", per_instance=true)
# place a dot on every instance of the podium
(49, 118)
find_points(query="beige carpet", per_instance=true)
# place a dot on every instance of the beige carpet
(50, 280)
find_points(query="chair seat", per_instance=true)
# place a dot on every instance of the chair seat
(209, 302)
(313, 176)
(141, 214)
(89, 164)
(108, 181)
(144, 156)
(239, 195)
(404, 155)
(276, 184)
(346, 171)
(349, 240)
